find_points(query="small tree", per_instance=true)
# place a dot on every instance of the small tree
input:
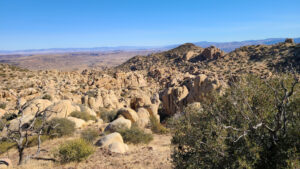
(25, 129)
(255, 124)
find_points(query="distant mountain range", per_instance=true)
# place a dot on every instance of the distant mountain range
(225, 46)
(230, 46)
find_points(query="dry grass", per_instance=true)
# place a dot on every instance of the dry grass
(155, 155)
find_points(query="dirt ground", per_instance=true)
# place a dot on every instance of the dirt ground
(155, 155)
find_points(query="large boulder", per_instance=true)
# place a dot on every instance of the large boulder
(23, 121)
(79, 123)
(173, 99)
(144, 118)
(63, 108)
(118, 147)
(109, 98)
(87, 110)
(210, 53)
(109, 139)
(119, 123)
(195, 89)
(36, 105)
(128, 113)
(114, 143)
(201, 87)
(140, 101)
(189, 55)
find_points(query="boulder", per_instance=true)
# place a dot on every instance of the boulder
(15, 123)
(109, 139)
(79, 123)
(173, 99)
(63, 108)
(37, 105)
(195, 89)
(109, 98)
(87, 110)
(140, 101)
(201, 88)
(119, 123)
(189, 55)
(144, 117)
(118, 147)
(210, 53)
(114, 143)
(21, 101)
(128, 113)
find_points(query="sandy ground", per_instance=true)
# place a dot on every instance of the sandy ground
(155, 155)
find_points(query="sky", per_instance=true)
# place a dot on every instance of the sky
(38, 24)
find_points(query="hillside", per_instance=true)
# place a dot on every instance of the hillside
(195, 60)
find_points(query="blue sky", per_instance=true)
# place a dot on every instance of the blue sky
(35, 24)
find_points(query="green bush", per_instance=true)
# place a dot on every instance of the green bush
(47, 97)
(58, 127)
(157, 127)
(2, 105)
(135, 135)
(106, 115)
(33, 140)
(75, 151)
(89, 134)
(252, 125)
(6, 145)
(82, 115)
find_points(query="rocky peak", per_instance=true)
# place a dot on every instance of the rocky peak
(289, 40)
(210, 53)
(183, 50)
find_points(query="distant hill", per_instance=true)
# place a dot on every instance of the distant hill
(260, 59)
(225, 46)
(230, 46)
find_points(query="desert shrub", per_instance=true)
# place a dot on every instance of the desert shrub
(47, 97)
(6, 145)
(58, 127)
(89, 134)
(2, 105)
(38, 123)
(83, 115)
(75, 151)
(107, 115)
(157, 127)
(135, 135)
(33, 140)
(255, 124)
(2, 74)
